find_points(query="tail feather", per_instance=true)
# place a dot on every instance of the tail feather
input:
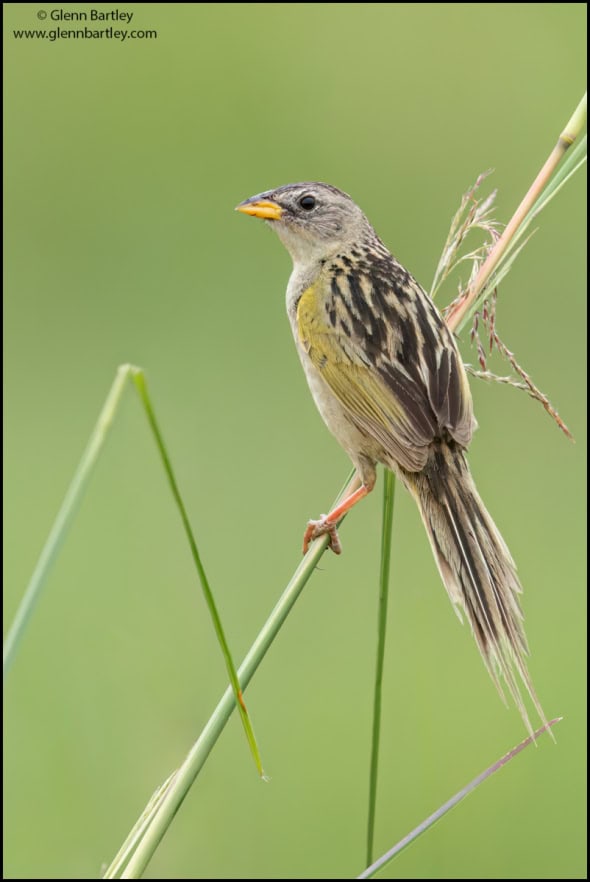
(476, 567)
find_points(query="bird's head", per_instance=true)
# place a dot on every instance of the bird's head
(314, 221)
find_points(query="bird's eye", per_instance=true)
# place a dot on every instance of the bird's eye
(307, 202)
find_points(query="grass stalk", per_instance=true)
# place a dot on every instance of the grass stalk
(138, 377)
(192, 765)
(459, 313)
(386, 528)
(453, 801)
(64, 518)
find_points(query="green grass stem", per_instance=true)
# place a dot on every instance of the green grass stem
(174, 794)
(63, 519)
(386, 542)
(140, 384)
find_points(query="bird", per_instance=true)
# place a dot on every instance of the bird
(387, 377)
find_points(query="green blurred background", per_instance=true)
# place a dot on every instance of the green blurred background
(124, 162)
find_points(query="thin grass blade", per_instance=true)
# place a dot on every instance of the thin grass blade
(141, 386)
(451, 803)
(386, 542)
(64, 517)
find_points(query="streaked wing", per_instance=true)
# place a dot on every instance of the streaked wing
(387, 355)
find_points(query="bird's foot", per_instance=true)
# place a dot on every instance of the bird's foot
(320, 528)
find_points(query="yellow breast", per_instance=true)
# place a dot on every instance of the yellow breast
(311, 315)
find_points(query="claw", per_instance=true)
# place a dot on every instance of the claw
(320, 528)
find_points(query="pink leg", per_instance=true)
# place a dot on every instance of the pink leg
(328, 523)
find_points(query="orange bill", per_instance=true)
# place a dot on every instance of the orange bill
(263, 208)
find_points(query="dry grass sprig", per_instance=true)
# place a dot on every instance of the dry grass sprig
(475, 213)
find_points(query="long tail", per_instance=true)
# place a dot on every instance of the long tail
(476, 567)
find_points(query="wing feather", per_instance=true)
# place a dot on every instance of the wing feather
(396, 371)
